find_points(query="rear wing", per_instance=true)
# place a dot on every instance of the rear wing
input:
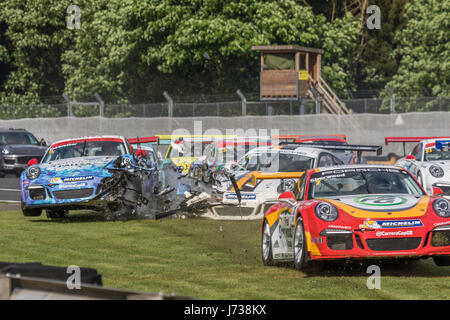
(404, 140)
(154, 140)
(358, 148)
(388, 140)
(275, 175)
(296, 137)
(348, 147)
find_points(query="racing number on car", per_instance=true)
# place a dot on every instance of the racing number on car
(380, 200)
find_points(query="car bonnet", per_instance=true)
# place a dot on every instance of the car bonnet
(76, 164)
(382, 205)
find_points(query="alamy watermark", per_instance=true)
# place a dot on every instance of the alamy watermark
(374, 20)
(74, 280)
(74, 17)
(374, 280)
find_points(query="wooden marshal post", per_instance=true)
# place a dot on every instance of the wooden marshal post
(290, 72)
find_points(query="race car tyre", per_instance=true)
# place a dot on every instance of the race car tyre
(57, 213)
(442, 261)
(266, 245)
(32, 212)
(300, 254)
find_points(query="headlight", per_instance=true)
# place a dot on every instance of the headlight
(326, 211)
(5, 151)
(33, 172)
(286, 185)
(436, 171)
(442, 208)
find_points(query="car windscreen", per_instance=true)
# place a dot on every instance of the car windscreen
(275, 161)
(17, 138)
(227, 153)
(362, 181)
(186, 149)
(84, 149)
(433, 154)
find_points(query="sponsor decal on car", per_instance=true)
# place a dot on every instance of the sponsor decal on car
(75, 179)
(394, 233)
(55, 180)
(73, 185)
(339, 227)
(380, 200)
(244, 196)
(371, 224)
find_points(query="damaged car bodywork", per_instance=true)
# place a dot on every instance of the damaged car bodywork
(99, 173)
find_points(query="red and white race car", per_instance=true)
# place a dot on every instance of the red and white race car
(358, 211)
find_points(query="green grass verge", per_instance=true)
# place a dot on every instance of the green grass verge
(201, 258)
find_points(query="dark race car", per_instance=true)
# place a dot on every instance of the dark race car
(18, 146)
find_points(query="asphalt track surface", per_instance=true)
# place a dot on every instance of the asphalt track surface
(10, 189)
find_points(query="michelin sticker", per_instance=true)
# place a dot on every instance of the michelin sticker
(75, 179)
(370, 224)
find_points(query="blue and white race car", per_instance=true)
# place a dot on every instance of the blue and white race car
(86, 173)
(105, 174)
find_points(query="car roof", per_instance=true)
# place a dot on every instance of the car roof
(356, 166)
(320, 139)
(13, 130)
(91, 137)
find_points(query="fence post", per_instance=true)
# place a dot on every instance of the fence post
(101, 104)
(244, 102)
(391, 93)
(302, 106)
(170, 102)
(69, 105)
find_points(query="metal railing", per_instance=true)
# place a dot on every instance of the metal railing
(237, 106)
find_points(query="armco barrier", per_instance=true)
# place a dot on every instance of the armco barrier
(370, 129)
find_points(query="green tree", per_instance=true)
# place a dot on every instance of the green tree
(132, 51)
(423, 50)
(34, 37)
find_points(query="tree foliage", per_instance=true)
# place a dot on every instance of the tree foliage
(424, 50)
(131, 51)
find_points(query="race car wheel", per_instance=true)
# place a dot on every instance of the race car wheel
(442, 261)
(300, 256)
(266, 245)
(57, 213)
(31, 212)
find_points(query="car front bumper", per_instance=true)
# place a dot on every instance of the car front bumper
(380, 243)
(16, 163)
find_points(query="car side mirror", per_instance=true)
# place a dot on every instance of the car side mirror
(410, 157)
(287, 195)
(32, 162)
(437, 191)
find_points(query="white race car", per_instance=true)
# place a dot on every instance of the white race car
(429, 163)
(284, 160)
